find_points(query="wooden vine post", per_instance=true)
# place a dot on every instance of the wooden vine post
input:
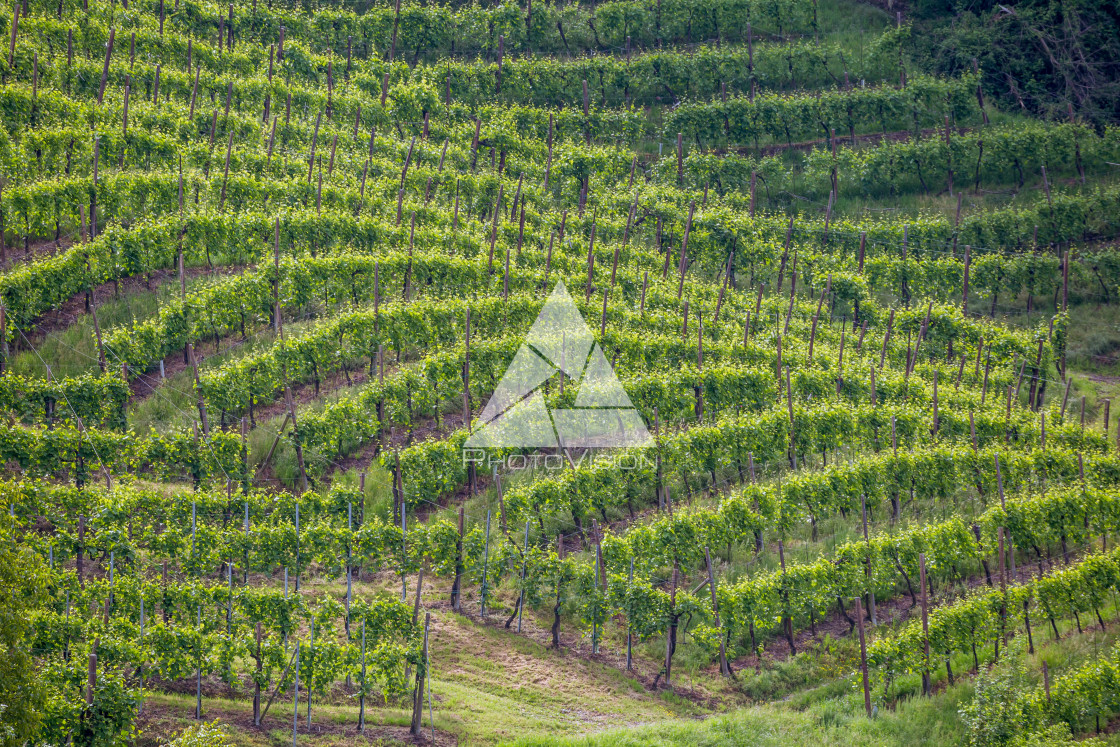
(1003, 505)
(91, 678)
(724, 667)
(925, 621)
(629, 634)
(498, 72)
(421, 675)
(792, 428)
(456, 586)
(257, 679)
(198, 385)
(396, 24)
(936, 418)
(870, 574)
(964, 287)
(670, 632)
(684, 249)
(586, 120)
(104, 69)
(680, 158)
(863, 658)
(1002, 586)
(3, 338)
(15, 30)
(728, 270)
(601, 583)
(295, 438)
(787, 619)
(886, 340)
(590, 261)
(548, 163)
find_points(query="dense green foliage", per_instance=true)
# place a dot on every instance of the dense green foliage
(834, 263)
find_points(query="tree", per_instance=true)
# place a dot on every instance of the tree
(1042, 54)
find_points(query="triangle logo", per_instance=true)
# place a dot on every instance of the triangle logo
(560, 342)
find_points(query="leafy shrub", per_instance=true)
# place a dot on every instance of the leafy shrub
(210, 734)
(994, 716)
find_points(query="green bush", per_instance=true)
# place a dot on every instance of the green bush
(201, 735)
(994, 717)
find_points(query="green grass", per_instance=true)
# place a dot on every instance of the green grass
(839, 721)
(1094, 338)
(379, 488)
(332, 725)
(830, 711)
(172, 402)
(488, 685)
(73, 351)
(1093, 352)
